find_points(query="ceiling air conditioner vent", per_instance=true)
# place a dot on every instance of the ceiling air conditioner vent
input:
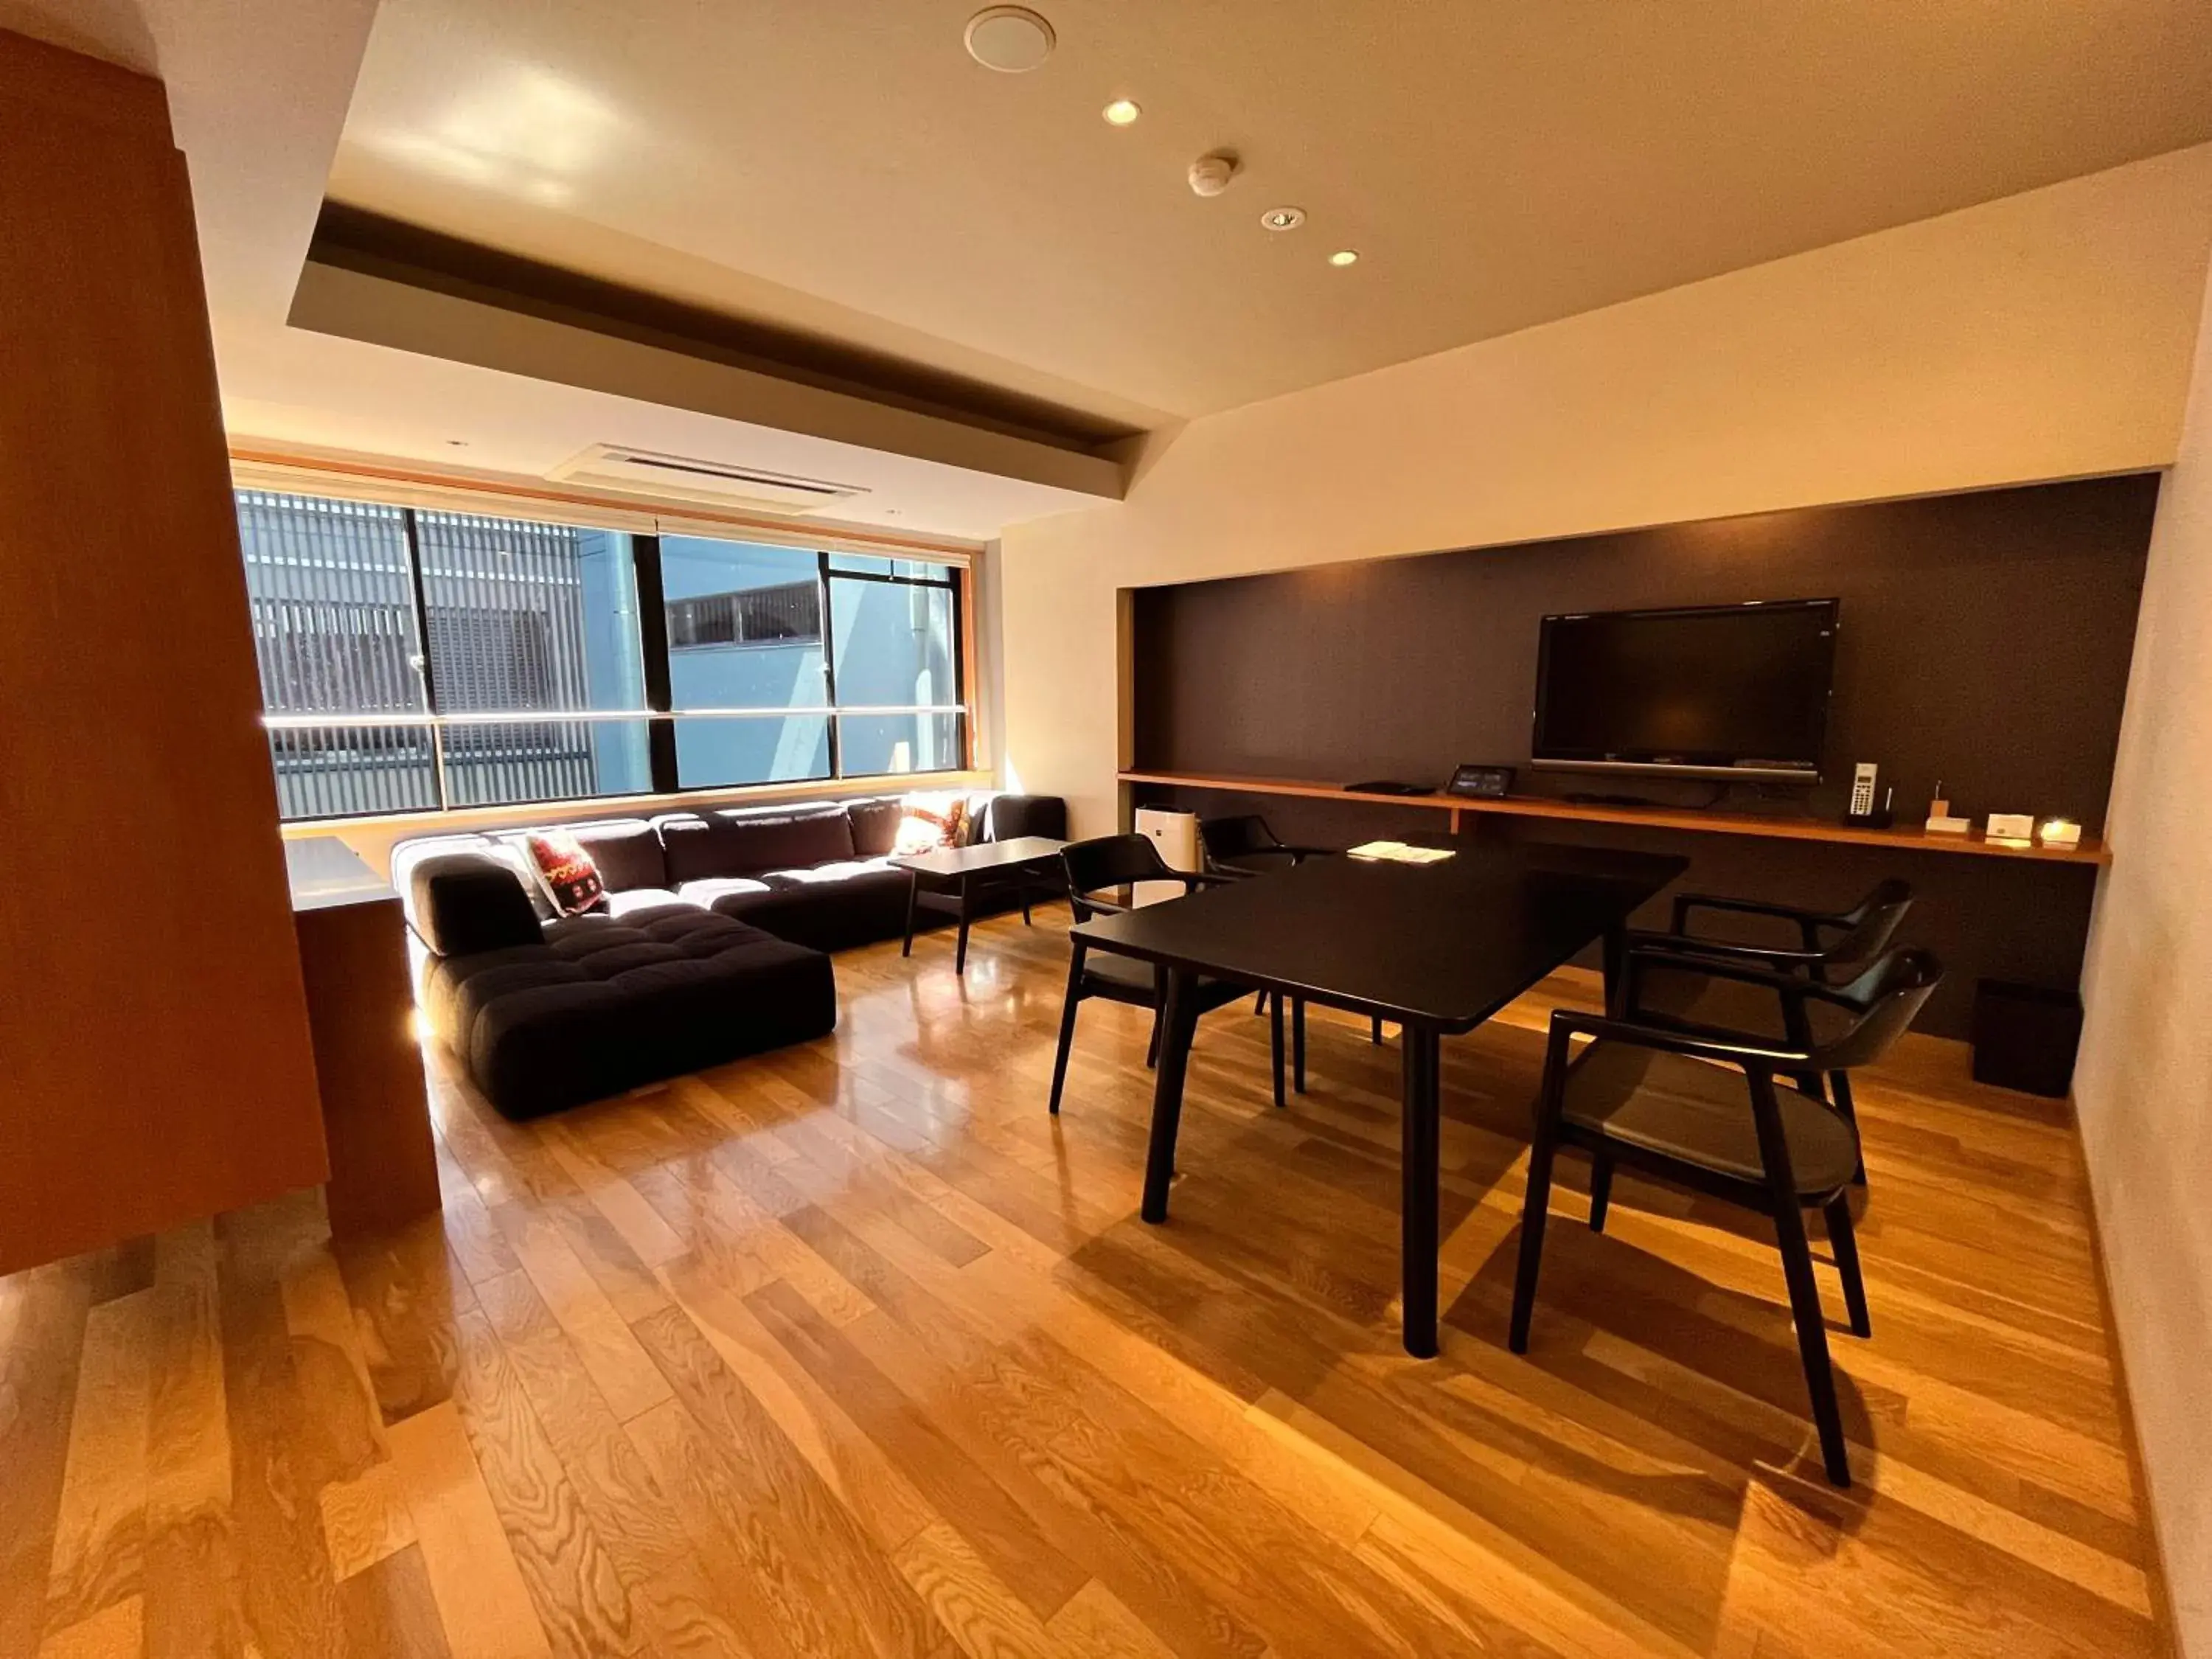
(712, 484)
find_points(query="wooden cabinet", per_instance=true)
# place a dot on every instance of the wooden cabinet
(154, 1054)
(360, 1008)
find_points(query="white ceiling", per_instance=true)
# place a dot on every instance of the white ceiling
(258, 91)
(844, 164)
(841, 169)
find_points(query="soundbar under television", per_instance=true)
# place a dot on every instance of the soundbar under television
(1710, 691)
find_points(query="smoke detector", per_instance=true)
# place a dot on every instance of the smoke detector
(1210, 174)
(1012, 40)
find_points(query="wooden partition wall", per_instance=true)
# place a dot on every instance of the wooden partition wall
(154, 1054)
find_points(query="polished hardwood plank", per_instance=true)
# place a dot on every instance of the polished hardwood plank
(852, 1349)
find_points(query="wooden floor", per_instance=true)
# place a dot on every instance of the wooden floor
(852, 1350)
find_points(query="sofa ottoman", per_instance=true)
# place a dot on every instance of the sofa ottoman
(593, 1006)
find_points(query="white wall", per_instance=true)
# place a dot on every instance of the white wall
(2048, 335)
(2143, 1088)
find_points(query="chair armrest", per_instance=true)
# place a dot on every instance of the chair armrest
(1191, 878)
(1685, 903)
(1103, 907)
(1752, 1056)
(1690, 945)
(1789, 985)
(1296, 855)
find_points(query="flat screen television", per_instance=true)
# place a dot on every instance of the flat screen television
(1711, 691)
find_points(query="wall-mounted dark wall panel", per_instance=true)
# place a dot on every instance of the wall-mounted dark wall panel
(1985, 643)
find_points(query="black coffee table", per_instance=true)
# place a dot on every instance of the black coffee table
(1027, 864)
(1438, 948)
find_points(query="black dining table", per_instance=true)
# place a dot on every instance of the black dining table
(1438, 948)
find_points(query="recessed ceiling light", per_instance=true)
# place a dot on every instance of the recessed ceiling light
(1283, 218)
(1012, 40)
(1344, 255)
(1121, 112)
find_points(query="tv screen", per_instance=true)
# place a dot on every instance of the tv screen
(1738, 691)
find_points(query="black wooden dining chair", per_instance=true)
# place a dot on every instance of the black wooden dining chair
(1830, 944)
(1245, 845)
(1722, 1117)
(1093, 868)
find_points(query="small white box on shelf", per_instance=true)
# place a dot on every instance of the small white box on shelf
(2012, 826)
(2059, 832)
(1940, 820)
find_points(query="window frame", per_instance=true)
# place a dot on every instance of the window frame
(658, 714)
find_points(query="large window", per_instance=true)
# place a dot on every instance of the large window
(413, 659)
(737, 683)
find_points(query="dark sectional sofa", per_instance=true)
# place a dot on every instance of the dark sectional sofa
(711, 944)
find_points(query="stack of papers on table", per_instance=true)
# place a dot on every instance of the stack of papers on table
(1398, 852)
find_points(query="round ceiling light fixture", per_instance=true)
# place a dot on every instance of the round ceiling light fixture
(1283, 218)
(1344, 255)
(1012, 40)
(1121, 112)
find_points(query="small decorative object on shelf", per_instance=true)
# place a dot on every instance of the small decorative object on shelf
(2013, 829)
(1940, 820)
(2059, 832)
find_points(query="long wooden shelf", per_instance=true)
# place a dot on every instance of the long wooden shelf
(2091, 851)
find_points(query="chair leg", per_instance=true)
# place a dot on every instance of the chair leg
(1260, 1003)
(1601, 1189)
(1811, 1338)
(1275, 1048)
(1843, 1239)
(1797, 1270)
(1066, 1026)
(1298, 1044)
(1534, 1208)
(1839, 1084)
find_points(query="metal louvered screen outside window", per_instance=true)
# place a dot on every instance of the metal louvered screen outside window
(333, 601)
(414, 660)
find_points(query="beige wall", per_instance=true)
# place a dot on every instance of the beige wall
(2144, 1089)
(2044, 336)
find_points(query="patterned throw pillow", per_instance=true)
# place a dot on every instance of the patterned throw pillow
(567, 871)
(927, 822)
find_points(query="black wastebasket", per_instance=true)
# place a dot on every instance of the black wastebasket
(2024, 1036)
